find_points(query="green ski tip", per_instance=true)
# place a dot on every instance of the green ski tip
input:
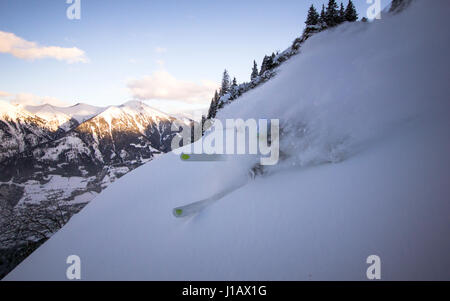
(178, 212)
(185, 157)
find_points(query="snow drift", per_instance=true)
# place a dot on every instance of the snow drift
(364, 109)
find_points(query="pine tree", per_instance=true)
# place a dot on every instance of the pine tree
(214, 105)
(225, 88)
(342, 14)
(254, 71)
(322, 15)
(234, 89)
(350, 13)
(331, 15)
(216, 97)
(313, 16)
(264, 65)
(211, 110)
(203, 124)
(267, 64)
(234, 84)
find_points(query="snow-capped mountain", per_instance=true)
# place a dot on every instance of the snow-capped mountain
(65, 118)
(21, 130)
(364, 111)
(133, 125)
(24, 127)
(54, 118)
(125, 135)
(81, 111)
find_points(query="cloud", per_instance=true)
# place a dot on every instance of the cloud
(162, 85)
(4, 94)
(160, 50)
(28, 99)
(20, 48)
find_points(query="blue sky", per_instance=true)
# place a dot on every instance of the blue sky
(185, 43)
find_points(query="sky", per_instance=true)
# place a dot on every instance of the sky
(169, 53)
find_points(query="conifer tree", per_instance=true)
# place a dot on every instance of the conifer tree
(350, 12)
(234, 84)
(322, 15)
(332, 15)
(203, 124)
(342, 13)
(225, 87)
(216, 97)
(268, 63)
(214, 105)
(313, 16)
(254, 71)
(264, 65)
(211, 110)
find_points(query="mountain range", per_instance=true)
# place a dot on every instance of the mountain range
(75, 151)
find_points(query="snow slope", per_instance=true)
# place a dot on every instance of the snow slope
(364, 108)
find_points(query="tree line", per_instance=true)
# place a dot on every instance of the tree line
(330, 16)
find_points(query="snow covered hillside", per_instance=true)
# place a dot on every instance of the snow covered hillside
(20, 130)
(364, 110)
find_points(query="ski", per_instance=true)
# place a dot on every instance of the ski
(202, 157)
(196, 207)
